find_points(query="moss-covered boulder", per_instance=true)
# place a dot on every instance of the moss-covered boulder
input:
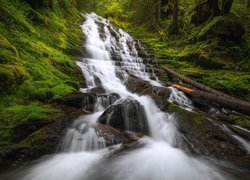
(225, 28)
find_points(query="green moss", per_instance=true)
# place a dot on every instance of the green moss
(38, 44)
(241, 120)
(61, 90)
(185, 115)
(26, 113)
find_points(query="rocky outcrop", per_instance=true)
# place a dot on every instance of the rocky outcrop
(126, 115)
(159, 94)
(207, 136)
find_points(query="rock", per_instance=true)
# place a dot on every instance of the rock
(126, 115)
(113, 136)
(39, 143)
(98, 90)
(206, 135)
(30, 127)
(136, 85)
(159, 94)
(81, 100)
(225, 28)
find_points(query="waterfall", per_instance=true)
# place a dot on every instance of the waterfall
(112, 57)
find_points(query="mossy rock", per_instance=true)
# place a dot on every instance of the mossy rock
(205, 135)
(226, 28)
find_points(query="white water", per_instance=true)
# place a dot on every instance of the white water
(179, 97)
(157, 160)
(245, 144)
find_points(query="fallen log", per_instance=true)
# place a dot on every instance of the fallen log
(215, 99)
(196, 84)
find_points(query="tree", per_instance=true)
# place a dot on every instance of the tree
(214, 4)
(248, 4)
(175, 24)
(226, 6)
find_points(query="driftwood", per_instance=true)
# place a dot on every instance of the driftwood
(204, 94)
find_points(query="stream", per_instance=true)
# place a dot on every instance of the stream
(111, 58)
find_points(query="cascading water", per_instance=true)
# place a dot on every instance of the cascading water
(112, 57)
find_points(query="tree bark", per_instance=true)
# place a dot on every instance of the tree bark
(175, 24)
(158, 10)
(226, 6)
(215, 8)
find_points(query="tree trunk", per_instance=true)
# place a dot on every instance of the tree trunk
(213, 99)
(226, 6)
(175, 24)
(215, 8)
(158, 10)
(209, 95)
(248, 4)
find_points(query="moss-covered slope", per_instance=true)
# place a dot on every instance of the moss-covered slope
(38, 44)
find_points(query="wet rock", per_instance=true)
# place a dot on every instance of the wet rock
(98, 90)
(113, 136)
(126, 115)
(80, 100)
(159, 94)
(39, 143)
(136, 85)
(206, 135)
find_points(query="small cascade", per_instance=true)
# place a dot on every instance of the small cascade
(104, 101)
(180, 98)
(81, 136)
(244, 143)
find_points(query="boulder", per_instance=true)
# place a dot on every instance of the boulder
(136, 85)
(126, 115)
